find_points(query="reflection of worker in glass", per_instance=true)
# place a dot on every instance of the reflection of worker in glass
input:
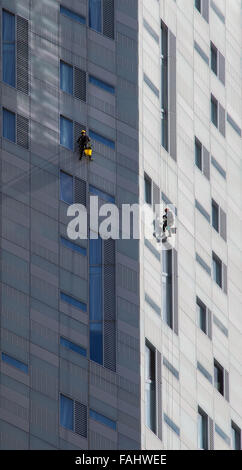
(168, 221)
(84, 142)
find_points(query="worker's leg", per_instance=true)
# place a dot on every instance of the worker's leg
(81, 150)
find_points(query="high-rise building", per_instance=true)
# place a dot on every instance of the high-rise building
(117, 343)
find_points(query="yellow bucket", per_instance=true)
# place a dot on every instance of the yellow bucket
(88, 152)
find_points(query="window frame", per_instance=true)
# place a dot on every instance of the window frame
(219, 385)
(214, 102)
(167, 277)
(164, 95)
(73, 82)
(202, 306)
(197, 145)
(101, 15)
(15, 47)
(96, 323)
(203, 421)
(73, 199)
(73, 412)
(73, 143)
(15, 118)
(236, 436)
(198, 8)
(213, 50)
(216, 206)
(150, 386)
(216, 259)
(149, 181)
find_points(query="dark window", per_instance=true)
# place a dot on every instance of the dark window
(236, 436)
(215, 215)
(148, 198)
(73, 81)
(202, 430)
(95, 15)
(102, 419)
(76, 303)
(73, 246)
(96, 300)
(8, 48)
(102, 139)
(9, 125)
(167, 287)
(66, 77)
(98, 192)
(72, 346)
(214, 58)
(101, 84)
(150, 386)
(66, 132)
(198, 5)
(71, 14)
(217, 270)
(198, 154)
(218, 377)
(164, 86)
(66, 412)
(202, 316)
(15, 363)
(66, 188)
(214, 111)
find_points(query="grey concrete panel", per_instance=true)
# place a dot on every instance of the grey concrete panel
(127, 443)
(44, 417)
(98, 441)
(69, 438)
(73, 381)
(16, 233)
(15, 272)
(43, 354)
(73, 285)
(44, 292)
(44, 377)
(44, 337)
(12, 437)
(37, 444)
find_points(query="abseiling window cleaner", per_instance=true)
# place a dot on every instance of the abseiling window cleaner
(85, 146)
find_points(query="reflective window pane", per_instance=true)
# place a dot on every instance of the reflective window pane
(198, 154)
(66, 412)
(71, 14)
(95, 15)
(147, 190)
(102, 419)
(66, 188)
(66, 78)
(105, 86)
(96, 342)
(8, 48)
(66, 132)
(9, 125)
(215, 215)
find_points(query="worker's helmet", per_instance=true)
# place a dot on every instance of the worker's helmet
(83, 131)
